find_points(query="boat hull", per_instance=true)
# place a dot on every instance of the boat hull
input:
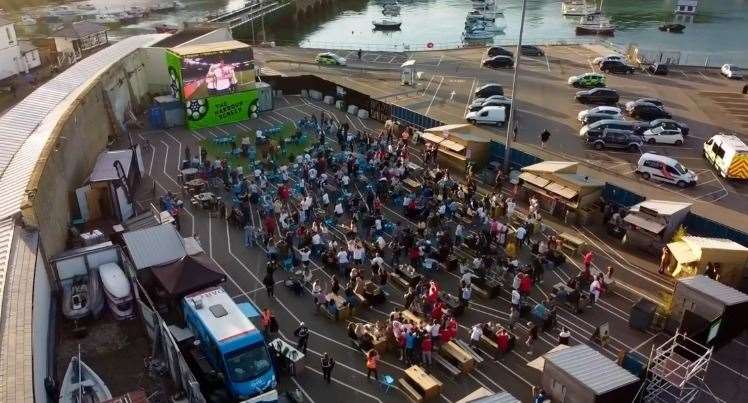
(387, 27)
(607, 31)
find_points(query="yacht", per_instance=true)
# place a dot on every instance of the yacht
(387, 23)
(576, 8)
(595, 24)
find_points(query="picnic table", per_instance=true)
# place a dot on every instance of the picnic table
(464, 360)
(341, 303)
(204, 199)
(196, 185)
(426, 384)
(188, 173)
(409, 274)
(411, 317)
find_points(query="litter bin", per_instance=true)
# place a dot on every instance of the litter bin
(642, 314)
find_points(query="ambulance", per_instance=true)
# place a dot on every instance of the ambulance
(728, 154)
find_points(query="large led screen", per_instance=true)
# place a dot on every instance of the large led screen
(217, 73)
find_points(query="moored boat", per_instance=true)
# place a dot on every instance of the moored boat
(81, 384)
(595, 24)
(674, 28)
(387, 23)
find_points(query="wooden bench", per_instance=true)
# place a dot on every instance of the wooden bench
(572, 243)
(470, 350)
(456, 355)
(446, 364)
(480, 291)
(410, 392)
(412, 184)
(399, 282)
(490, 345)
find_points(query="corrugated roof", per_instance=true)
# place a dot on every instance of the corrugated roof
(501, 397)
(104, 168)
(154, 246)
(713, 243)
(28, 126)
(26, 46)
(78, 30)
(590, 368)
(4, 21)
(186, 50)
(6, 239)
(662, 207)
(721, 292)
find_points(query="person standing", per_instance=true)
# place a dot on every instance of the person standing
(664, 260)
(269, 284)
(564, 336)
(359, 54)
(532, 335)
(302, 332)
(521, 234)
(595, 288)
(544, 137)
(327, 365)
(372, 361)
(587, 260)
(475, 334)
(426, 345)
(265, 318)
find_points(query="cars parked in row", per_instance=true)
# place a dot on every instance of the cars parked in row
(658, 69)
(612, 111)
(601, 59)
(647, 109)
(498, 51)
(499, 62)
(600, 96)
(615, 139)
(531, 50)
(330, 59)
(494, 100)
(669, 124)
(487, 90)
(596, 129)
(617, 67)
(731, 71)
(661, 135)
(587, 80)
(665, 169)
(487, 115)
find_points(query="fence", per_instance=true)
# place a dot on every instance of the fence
(620, 196)
(689, 58)
(517, 158)
(414, 118)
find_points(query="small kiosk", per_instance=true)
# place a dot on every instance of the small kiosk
(691, 255)
(560, 190)
(408, 73)
(581, 374)
(483, 395)
(652, 223)
(709, 311)
(457, 144)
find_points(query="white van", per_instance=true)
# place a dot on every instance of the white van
(728, 154)
(488, 115)
(117, 289)
(665, 169)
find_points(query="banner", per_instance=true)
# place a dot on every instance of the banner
(221, 109)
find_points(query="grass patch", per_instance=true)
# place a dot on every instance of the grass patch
(223, 150)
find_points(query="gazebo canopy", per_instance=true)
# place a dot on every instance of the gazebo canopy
(189, 274)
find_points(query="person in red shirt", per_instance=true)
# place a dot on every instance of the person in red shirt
(449, 331)
(283, 193)
(269, 225)
(437, 311)
(502, 340)
(426, 345)
(525, 285)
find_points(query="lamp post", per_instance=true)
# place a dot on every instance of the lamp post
(512, 109)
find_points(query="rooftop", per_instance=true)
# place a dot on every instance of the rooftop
(78, 30)
(154, 246)
(224, 323)
(4, 21)
(209, 48)
(724, 293)
(590, 368)
(26, 46)
(550, 166)
(713, 243)
(182, 37)
(662, 207)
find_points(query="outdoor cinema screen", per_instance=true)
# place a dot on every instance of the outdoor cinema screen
(217, 73)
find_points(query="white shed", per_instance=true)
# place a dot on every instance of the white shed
(652, 223)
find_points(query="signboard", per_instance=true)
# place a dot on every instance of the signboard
(217, 73)
(222, 109)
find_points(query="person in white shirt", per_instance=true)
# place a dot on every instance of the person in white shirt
(339, 209)
(358, 254)
(406, 200)
(304, 256)
(325, 199)
(312, 174)
(458, 234)
(381, 243)
(467, 292)
(595, 288)
(378, 224)
(377, 260)
(467, 277)
(342, 262)
(521, 232)
(346, 180)
(476, 332)
(515, 299)
(516, 281)
(428, 263)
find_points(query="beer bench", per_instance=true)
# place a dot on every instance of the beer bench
(399, 282)
(447, 365)
(470, 350)
(410, 392)
(571, 243)
(480, 291)
(412, 184)
(455, 354)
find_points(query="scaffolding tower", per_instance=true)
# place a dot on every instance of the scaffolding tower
(676, 371)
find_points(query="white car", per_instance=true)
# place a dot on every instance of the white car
(601, 59)
(490, 115)
(660, 135)
(615, 113)
(730, 71)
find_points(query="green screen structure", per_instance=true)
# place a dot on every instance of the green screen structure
(221, 109)
(174, 65)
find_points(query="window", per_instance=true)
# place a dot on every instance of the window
(718, 151)
(653, 164)
(671, 170)
(9, 32)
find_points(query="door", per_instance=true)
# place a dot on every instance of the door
(80, 195)
(558, 391)
(125, 207)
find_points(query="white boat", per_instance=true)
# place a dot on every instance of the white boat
(486, 24)
(117, 289)
(82, 385)
(26, 21)
(106, 19)
(595, 24)
(86, 7)
(576, 8)
(387, 23)
(83, 297)
(391, 6)
(478, 31)
(62, 11)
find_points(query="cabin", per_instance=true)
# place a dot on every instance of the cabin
(651, 224)
(686, 6)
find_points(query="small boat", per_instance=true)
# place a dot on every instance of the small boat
(81, 384)
(391, 6)
(117, 289)
(387, 23)
(595, 24)
(483, 3)
(86, 7)
(478, 31)
(106, 19)
(26, 21)
(83, 297)
(125, 18)
(674, 28)
(166, 29)
(576, 8)
(137, 11)
(163, 7)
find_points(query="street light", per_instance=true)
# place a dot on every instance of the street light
(510, 125)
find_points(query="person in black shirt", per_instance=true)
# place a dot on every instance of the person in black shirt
(327, 365)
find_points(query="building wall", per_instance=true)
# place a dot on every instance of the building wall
(9, 61)
(575, 392)
(41, 327)
(218, 35)
(157, 74)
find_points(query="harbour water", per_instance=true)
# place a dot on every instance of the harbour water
(718, 31)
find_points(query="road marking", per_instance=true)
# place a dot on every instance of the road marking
(428, 85)
(440, 60)
(470, 96)
(434, 97)
(644, 343)
(393, 59)
(452, 96)
(684, 73)
(376, 58)
(702, 75)
(591, 65)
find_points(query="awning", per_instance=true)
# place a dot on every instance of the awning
(562, 191)
(432, 137)
(641, 222)
(682, 252)
(154, 246)
(452, 145)
(104, 168)
(189, 274)
(534, 179)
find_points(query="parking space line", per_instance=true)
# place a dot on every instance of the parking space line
(434, 97)
(702, 75)
(469, 96)
(376, 58)
(393, 59)
(591, 65)
(684, 73)
(547, 63)
(440, 60)
(428, 85)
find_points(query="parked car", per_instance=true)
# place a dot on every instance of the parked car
(614, 112)
(731, 71)
(616, 66)
(478, 105)
(487, 90)
(491, 115)
(660, 135)
(596, 117)
(616, 139)
(587, 80)
(492, 97)
(596, 129)
(658, 69)
(648, 112)
(654, 101)
(671, 124)
(602, 96)
(498, 51)
(665, 169)
(330, 58)
(601, 59)
(498, 62)
(531, 50)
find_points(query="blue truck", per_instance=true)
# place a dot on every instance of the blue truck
(232, 344)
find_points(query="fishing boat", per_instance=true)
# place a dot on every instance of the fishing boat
(166, 29)
(595, 24)
(81, 384)
(576, 8)
(83, 296)
(387, 23)
(673, 28)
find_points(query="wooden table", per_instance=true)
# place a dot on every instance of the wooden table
(410, 316)
(198, 184)
(412, 184)
(340, 302)
(464, 359)
(427, 384)
(188, 173)
(411, 277)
